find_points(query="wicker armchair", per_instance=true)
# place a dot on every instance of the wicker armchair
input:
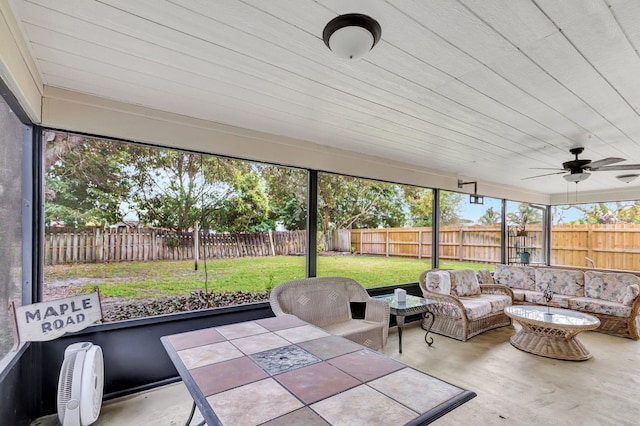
(327, 302)
(464, 316)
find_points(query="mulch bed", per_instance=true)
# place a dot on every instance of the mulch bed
(196, 300)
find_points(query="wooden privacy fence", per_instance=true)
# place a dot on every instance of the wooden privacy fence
(615, 246)
(470, 243)
(609, 246)
(120, 245)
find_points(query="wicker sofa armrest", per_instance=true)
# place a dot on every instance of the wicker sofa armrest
(496, 289)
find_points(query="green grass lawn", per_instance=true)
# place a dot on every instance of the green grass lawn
(166, 278)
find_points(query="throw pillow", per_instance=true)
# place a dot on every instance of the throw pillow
(485, 277)
(439, 282)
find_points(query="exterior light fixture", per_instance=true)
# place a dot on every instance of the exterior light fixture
(352, 35)
(576, 177)
(627, 178)
(473, 198)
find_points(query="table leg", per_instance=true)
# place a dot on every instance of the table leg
(193, 411)
(432, 319)
(400, 322)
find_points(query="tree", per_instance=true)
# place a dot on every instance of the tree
(524, 215)
(287, 191)
(85, 180)
(348, 203)
(175, 189)
(602, 213)
(490, 217)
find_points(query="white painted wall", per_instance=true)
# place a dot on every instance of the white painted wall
(17, 68)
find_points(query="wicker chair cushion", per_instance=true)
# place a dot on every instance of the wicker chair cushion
(476, 307)
(558, 301)
(562, 281)
(439, 282)
(522, 277)
(498, 301)
(464, 283)
(485, 277)
(599, 306)
(611, 286)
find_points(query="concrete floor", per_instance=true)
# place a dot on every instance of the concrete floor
(513, 387)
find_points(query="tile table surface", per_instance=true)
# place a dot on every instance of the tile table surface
(284, 371)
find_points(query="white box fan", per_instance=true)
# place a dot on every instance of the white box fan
(80, 384)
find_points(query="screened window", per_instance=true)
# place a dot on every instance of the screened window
(11, 147)
(377, 233)
(160, 230)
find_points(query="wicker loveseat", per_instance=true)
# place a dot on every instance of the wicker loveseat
(610, 296)
(464, 308)
(328, 302)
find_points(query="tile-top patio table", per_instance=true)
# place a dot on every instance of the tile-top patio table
(282, 371)
(413, 305)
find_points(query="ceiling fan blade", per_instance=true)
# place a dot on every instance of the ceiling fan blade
(545, 168)
(546, 174)
(604, 162)
(618, 167)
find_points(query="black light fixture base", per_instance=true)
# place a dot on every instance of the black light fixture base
(352, 20)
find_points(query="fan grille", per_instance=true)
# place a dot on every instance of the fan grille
(64, 385)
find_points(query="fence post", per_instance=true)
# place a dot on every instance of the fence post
(419, 244)
(460, 247)
(273, 250)
(196, 245)
(386, 243)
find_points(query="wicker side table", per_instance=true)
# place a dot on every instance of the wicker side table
(551, 332)
(413, 305)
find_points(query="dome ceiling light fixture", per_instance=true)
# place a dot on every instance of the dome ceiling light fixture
(576, 177)
(352, 35)
(627, 178)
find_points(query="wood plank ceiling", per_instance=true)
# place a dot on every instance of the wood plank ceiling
(482, 88)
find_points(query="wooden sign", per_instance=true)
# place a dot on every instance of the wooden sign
(49, 320)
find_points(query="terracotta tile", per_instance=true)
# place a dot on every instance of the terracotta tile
(302, 417)
(415, 389)
(316, 382)
(281, 360)
(253, 404)
(329, 347)
(192, 339)
(242, 329)
(208, 354)
(362, 406)
(226, 375)
(366, 365)
(259, 343)
(279, 323)
(302, 334)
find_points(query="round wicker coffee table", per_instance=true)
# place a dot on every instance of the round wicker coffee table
(553, 333)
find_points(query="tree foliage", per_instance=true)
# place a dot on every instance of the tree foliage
(490, 217)
(350, 203)
(604, 213)
(85, 180)
(174, 189)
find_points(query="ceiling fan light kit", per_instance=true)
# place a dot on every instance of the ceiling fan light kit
(352, 35)
(627, 178)
(578, 169)
(576, 177)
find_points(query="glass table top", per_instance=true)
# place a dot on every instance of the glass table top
(412, 302)
(552, 315)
